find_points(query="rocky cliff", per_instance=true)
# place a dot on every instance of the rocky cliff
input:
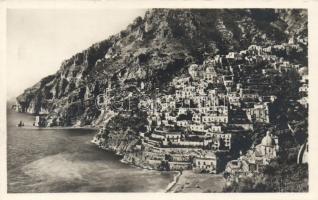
(153, 49)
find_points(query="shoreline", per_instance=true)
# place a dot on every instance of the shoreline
(59, 128)
(30, 126)
(190, 182)
(186, 181)
(176, 174)
(174, 182)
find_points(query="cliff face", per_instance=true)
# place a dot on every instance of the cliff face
(152, 49)
(120, 133)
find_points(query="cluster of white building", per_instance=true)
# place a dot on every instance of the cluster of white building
(205, 102)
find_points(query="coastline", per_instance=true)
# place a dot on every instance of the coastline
(176, 176)
(60, 128)
(191, 182)
(174, 182)
(169, 187)
(186, 181)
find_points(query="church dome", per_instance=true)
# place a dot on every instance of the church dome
(267, 140)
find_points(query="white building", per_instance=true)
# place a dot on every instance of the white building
(210, 75)
(197, 127)
(197, 118)
(260, 113)
(222, 141)
(183, 123)
(206, 163)
(210, 118)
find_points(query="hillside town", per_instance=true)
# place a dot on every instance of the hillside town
(205, 123)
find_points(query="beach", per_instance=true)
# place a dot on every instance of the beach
(191, 182)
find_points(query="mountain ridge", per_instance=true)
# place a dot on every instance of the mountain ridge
(153, 49)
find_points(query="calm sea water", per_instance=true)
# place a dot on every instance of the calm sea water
(44, 160)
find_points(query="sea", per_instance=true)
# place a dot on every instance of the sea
(43, 160)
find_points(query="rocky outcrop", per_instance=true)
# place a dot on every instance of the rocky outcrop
(121, 133)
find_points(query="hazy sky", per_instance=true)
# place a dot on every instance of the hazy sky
(39, 40)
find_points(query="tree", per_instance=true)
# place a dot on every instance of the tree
(164, 166)
(168, 157)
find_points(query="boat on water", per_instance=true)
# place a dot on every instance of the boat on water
(20, 124)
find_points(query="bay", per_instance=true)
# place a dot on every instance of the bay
(64, 160)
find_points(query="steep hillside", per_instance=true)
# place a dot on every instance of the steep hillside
(153, 50)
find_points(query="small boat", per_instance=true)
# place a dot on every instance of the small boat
(20, 124)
